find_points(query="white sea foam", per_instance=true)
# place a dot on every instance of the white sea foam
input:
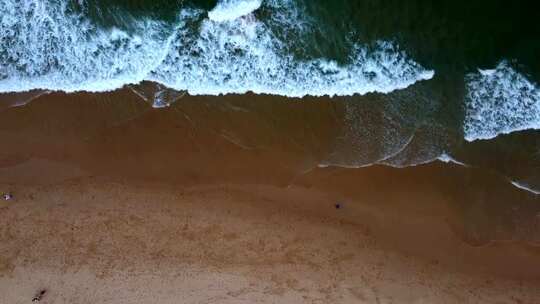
(47, 45)
(227, 10)
(52, 47)
(500, 101)
(242, 55)
(445, 158)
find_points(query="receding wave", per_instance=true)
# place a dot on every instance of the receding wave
(525, 187)
(52, 46)
(500, 101)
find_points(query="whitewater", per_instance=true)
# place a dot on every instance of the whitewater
(54, 47)
(500, 101)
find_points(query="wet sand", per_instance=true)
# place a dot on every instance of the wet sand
(207, 202)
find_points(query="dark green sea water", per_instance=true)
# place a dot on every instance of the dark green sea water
(459, 35)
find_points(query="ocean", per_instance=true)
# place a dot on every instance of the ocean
(413, 82)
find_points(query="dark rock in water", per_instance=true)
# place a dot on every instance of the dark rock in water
(156, 94)
(7, 196)
(39, 295)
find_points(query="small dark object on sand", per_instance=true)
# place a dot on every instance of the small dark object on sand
(7, 196)
(39, 296)
(338, 206)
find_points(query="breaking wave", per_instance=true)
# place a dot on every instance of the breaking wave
(52, 45)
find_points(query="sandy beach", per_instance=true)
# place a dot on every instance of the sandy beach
(85, 241)
(269, 151)
(115, 202)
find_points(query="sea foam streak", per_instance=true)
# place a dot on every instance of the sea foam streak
(47, 45)
(500, 101)
(525, 187)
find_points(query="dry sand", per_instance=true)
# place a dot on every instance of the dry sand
(88, 241)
